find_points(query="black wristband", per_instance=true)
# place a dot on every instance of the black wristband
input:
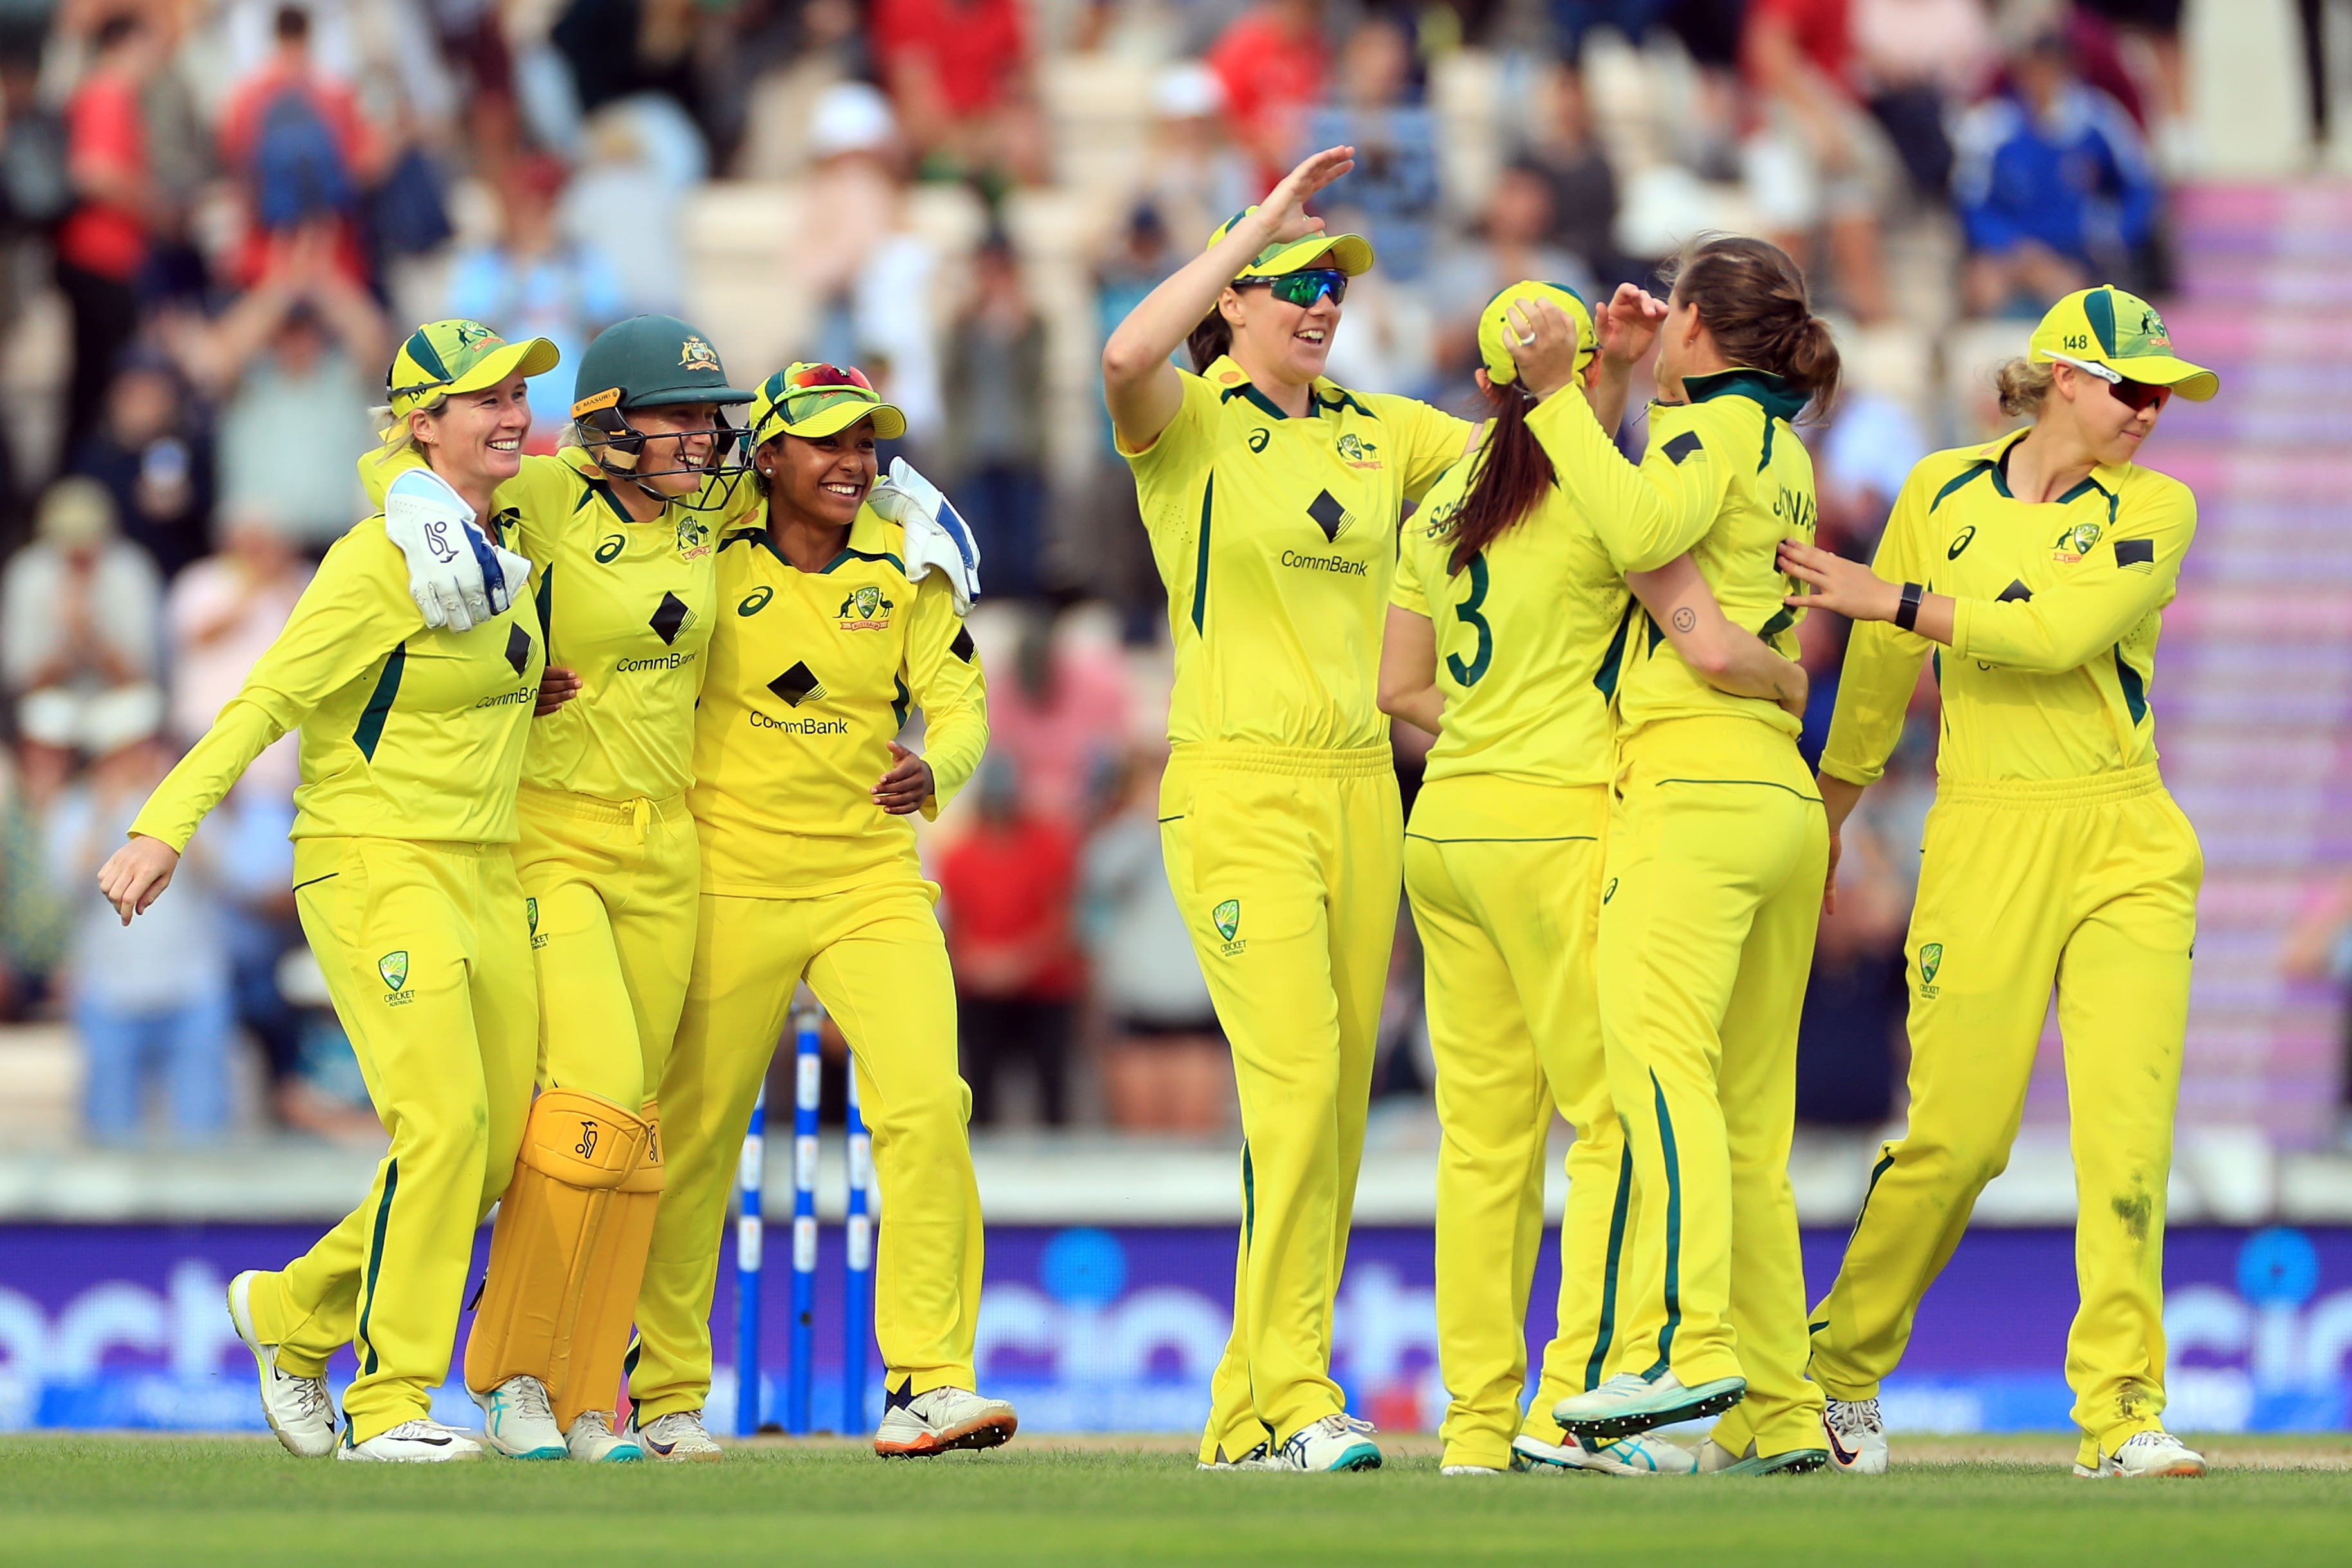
(1906, 614)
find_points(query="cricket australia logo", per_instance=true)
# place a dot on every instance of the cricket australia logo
(530, 913)
(2076, 542)
(693, 538)
(1358, 453)
(394, 969)
(1931, 959)
(865, 611)
(1227, 918)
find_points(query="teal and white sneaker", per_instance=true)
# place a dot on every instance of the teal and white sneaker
(1258, 1458)
(1337, 1442)
(518, 1421)
(2145, 1454)
(590, 1440)
(1715, 1459)
(1630, 1403)
(1642, 1454)
(679, 1437)
(299, 1409)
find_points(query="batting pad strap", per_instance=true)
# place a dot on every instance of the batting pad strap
(582, 1140)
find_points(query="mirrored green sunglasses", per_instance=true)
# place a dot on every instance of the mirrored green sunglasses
(1303, 289)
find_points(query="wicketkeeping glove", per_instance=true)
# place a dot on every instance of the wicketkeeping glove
(938, 539)
(458, 577)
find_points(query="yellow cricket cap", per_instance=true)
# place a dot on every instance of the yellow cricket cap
(445, 357)
(813, 400)
(1497, 337)
(2105, 325)
(1352, 254)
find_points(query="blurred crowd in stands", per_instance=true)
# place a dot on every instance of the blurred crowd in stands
(216, 213)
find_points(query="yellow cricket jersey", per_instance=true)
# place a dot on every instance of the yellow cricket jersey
(1276, 537)
(626, 605)
(405, 732)
(812, 676)
(2054, 631)
(1727, 478)
(1530, 634)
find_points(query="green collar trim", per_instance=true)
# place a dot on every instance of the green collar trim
(1772, 392)
(1263, 403)
(1324, 394)
(866, 529)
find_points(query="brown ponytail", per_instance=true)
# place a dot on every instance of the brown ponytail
(1513, 474)
(1210, 340)
(1754, 301)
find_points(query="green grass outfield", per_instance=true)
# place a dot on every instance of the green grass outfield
(2003, 1501)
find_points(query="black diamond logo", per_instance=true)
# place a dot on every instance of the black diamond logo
(1329, 515)
(517, 649)
(669, 618)
(797, 686)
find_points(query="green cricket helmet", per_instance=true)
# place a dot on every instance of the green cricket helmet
(654, 362)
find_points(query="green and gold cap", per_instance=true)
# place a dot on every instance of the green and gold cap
(2105, 326)
(1497, 337)
(445, 357)
(1352, 254)
(811, 400)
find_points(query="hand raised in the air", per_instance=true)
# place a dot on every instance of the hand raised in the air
(1286, 205)
(1628, 324)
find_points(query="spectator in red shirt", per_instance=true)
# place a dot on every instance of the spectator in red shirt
(103, 243)
(296, 139)
(958, 73)
(1271, 62)
(1011, 891)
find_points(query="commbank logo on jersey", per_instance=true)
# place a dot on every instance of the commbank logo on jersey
(865, 609)
(797, 686)
(517, 649)
(1329, 515)
(1931, 960)
(670, 618)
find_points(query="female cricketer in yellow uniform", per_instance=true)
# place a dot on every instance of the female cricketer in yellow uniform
(1272, 496)
(412, 743)
(824, 645)
(1716, 852)
(2034, 570)
(624, 521)
(1503, 573)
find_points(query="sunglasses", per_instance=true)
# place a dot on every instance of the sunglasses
(2133, 395)
(1303, 289)
(823, 378)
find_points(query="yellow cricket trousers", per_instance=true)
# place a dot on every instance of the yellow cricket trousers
(1709, 902)
(2089, 884)
(1508, 928)
(426, 953)
(1287, 864)
(876, 958)
(612, 888)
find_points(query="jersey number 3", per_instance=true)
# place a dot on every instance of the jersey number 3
(1467, 613)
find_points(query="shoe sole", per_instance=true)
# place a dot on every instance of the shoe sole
(1523, 1459)
(1632, 1423)
(988, 1432)
(266, 1368)
(347, 1455)
(1795, 1462)
(671, 1455)
(1362, 1457)
(2183, 1471)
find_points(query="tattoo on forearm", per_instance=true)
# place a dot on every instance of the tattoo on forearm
(1685, 618)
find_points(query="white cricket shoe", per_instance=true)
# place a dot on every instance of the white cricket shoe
(1337, 1442)
(1857, 1435)
(1642, 1454)
(679, 1438)
(918, 1425)
(590, 1438)
(1470, 1471)
(1630, 1403)
(518, 1421)
(299, 1409)
(417, 1442)
(2146, 1454)
(1258, 1458)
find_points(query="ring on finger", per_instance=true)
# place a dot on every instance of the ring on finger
(1527, 340)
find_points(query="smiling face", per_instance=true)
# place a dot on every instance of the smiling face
(1277, 342)
(822, 479)
(677, 445)
(2109, 429)
(473, 439)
